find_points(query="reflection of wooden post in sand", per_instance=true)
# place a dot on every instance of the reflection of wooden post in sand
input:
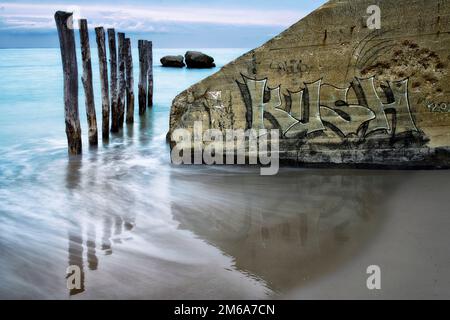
(103, 68)
(76, 259)
(69, 62)
(87, 82)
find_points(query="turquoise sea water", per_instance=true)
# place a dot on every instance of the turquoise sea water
(31, 89)
(139, 227)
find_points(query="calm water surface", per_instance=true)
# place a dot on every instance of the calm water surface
(141, 228)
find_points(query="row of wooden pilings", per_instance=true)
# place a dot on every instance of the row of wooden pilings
(117, 93)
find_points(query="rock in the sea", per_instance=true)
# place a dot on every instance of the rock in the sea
(172, 61)
(339, 90)
(198, 60)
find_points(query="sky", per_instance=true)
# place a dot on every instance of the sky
(169, 23)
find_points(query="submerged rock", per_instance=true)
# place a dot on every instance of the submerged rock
(198, 60)
(339, 91)
(172, 61)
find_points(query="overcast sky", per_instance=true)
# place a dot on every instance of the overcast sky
(169, 23)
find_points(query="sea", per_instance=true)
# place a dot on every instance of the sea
(134, 226)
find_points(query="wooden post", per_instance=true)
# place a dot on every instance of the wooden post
(103, 67)
(122, 82)
(130, 82)
(113, 78)
(87, 82)
(69, 62)
(142, 85)
(149, 51)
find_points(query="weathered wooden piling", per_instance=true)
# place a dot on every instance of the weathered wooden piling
(149, 52)
(87, 82)
(69, 61)
(103, 68)
(113, 80)
(130, 82)
(142, 85)
(121, 78)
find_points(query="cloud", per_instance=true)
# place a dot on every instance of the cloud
(145, 18)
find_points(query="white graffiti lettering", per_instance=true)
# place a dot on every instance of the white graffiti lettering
(319, 106)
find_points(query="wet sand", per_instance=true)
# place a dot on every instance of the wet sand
(411, 247)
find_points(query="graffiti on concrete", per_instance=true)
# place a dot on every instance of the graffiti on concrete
(440, 107)
(293, 66)
(319, 106)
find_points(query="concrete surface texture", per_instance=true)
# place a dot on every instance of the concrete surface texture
(339, 89)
